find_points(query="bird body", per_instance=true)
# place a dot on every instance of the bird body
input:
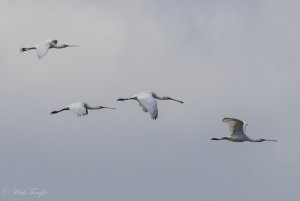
(237, 129)
(43, 47)
(80, 108)
(148, 103)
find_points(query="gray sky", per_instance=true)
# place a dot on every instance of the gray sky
(234, 58)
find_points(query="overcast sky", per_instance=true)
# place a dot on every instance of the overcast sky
(222, 58)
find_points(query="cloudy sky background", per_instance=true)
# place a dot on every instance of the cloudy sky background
(235, 58)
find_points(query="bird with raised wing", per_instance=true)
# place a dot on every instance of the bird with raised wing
(148, 103)
(237, 129)
(81, 108)
(43, 47)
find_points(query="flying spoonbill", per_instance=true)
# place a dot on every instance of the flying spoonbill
(148, 103)
(80, 108)
(237, 129)
(43, 47)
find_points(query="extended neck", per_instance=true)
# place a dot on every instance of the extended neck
(59, 46)
(62, 46)
(98, 107)
(261, 140)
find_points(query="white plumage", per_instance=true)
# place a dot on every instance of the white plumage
(80, 108)
(237, 131)
(43, 47)
(148, 103)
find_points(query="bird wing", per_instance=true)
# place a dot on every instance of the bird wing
(235, 125)
(78, 109)
(148, 104)
(42, 48)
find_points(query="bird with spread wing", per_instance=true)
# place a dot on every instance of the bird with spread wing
(43, 47)
(148, 103)
(237, 132)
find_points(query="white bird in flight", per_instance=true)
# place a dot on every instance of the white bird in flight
(81, 108)
(43, 47)
(237, 129)
(148, 103)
